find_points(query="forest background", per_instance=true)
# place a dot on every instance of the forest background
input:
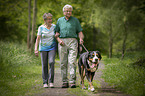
(116, 28)
(110, 26)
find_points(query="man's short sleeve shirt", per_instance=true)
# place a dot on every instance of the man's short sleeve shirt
(68, 28)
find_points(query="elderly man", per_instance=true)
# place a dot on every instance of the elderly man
(68, 29)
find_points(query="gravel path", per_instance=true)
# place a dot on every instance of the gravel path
(103, 90)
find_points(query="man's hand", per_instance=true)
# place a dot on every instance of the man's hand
(81, 36)
(81, 41)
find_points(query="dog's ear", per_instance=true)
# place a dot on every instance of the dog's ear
(99, 55)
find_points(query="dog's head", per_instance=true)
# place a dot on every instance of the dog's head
(93, 59)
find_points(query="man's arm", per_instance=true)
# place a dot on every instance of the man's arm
(81, 37)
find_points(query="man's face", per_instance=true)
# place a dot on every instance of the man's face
(67, 12)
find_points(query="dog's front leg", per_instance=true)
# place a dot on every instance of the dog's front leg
(82, 77)
(88, 75)
(91, 87)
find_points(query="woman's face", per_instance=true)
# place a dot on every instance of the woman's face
(67, 12)
(48, 20)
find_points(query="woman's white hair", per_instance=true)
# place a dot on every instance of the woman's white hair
(67, 6)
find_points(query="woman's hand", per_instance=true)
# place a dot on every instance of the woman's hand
(36, 53)
(58, 39)
(57, 34)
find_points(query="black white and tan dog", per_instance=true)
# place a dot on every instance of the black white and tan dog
(88, 63)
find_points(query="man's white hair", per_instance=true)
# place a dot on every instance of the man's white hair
(67, 6)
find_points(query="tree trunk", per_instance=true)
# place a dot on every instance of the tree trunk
(124, 40)
(94, 37)
(29, 24)
(94, 31)
(110, 40)
(33, 25)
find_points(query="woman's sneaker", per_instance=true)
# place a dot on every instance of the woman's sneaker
(51, 85)
(45, 86)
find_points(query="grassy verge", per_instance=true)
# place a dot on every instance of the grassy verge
(20, 72)
(127, 75)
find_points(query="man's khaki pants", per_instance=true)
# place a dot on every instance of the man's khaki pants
(68, 57)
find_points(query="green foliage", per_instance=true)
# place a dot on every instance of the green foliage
(94, 16)
(13, 20)
(125, 75)
(19, 70)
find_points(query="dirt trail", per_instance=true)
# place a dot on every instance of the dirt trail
(57, 90)
(103, 90)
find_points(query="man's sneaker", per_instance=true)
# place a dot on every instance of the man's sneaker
(73, 85)
(45, 86)
(51, 85)
(65, 85)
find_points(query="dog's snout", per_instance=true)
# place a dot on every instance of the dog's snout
(96, 60)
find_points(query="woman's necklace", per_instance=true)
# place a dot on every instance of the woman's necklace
(47, 26)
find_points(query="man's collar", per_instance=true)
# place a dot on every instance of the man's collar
(68, 19)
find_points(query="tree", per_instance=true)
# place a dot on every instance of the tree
(29, 24)
(33, 25)
(110, 39)
(12, 22)
(124, 39)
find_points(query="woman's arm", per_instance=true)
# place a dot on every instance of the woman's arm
(58, 39)
(36, 45)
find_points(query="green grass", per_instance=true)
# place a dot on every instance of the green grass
(126, 75)
(20, 72)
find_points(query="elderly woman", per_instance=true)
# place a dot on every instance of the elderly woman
(47, 47)
(68, 29)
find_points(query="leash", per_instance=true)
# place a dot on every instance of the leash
(85, 48)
